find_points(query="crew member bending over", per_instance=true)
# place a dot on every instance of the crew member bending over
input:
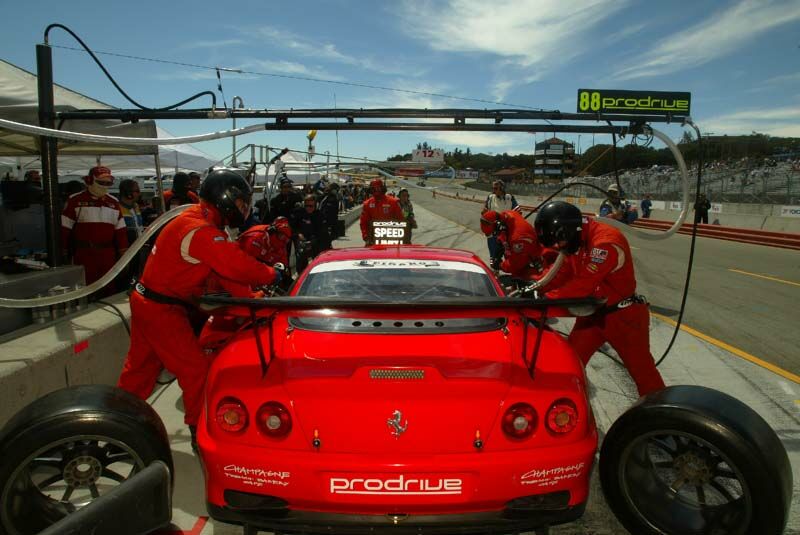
(191, 247)
(600, 265)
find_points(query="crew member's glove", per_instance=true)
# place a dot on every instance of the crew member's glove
(278, 266)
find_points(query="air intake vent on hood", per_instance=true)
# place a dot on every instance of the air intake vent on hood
(397, 374)
(397, 325)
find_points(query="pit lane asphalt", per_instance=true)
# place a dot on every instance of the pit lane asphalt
(692, 361)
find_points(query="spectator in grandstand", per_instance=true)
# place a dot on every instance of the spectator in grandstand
(701, 208)
(498, 201)
(647, 206)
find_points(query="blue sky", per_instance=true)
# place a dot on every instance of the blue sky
(740, 59)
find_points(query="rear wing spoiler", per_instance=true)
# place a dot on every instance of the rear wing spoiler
(575, 307)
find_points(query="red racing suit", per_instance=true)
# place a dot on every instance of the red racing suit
(603, 268)
(258, 243)
(379, 208)
(523, 253)
(189, 249)
(93, 231)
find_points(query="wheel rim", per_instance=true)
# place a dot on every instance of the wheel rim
(61, 478)
(676, 482)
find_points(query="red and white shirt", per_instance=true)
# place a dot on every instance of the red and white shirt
(92, 222)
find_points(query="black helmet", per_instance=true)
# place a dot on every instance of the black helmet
(221, 188)
(559, 221)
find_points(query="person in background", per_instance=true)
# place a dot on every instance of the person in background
(93, 231)
(329, 207)
(194, 182)
(408, 211)
(129, 194)
(33, 176)
(378, 207)
(310, 232)
(701, 208)
(616, 207)
(180, 193)
(647, 206)
(599, 264)
(498, 201)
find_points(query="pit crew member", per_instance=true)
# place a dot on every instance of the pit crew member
(522, 254)
(190, 248)
(600, 265)
(378, 207)
(180, 193)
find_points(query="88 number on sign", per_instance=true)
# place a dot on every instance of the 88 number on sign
(589, 101)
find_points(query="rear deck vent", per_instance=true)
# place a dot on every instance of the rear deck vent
(403, 375)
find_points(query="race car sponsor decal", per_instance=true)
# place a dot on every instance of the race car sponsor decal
(548, 477)
(257, 477)
(599, 255)
(399, 485)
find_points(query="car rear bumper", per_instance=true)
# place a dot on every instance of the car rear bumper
(379, 485)
(506, 520)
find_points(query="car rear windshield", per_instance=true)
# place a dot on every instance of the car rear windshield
(399, 279)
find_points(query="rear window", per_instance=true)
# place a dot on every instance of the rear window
(397, 280)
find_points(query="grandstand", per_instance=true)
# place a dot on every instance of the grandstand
(763, 181)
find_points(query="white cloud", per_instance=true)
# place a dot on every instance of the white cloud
(289, 68)
(213, 44)
(476, 139)
(528, 37)
(782, 122)
(717, 36)
(327, 51)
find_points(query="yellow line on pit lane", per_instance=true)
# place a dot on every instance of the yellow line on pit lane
(764, 277)
(735, 350)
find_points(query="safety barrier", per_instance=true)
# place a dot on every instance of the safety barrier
(783, 240)
(742, 235)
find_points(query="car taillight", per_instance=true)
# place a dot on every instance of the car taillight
(231, 415)
(562, 417)
(519, 421)
(274, 420)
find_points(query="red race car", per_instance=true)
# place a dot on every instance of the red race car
(397, 389)
(397, 386)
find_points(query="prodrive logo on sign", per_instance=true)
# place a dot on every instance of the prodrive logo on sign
(635, 102)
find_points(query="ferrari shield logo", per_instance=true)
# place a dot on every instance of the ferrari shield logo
(396, 424)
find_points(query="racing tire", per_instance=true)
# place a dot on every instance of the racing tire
(690, 460)
(69, 447)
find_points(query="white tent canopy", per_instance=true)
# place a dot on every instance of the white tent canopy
(19, 102)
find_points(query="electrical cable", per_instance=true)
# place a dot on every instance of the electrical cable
(311, 79)
(691, 246)
(113, 81)
(119, 313)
